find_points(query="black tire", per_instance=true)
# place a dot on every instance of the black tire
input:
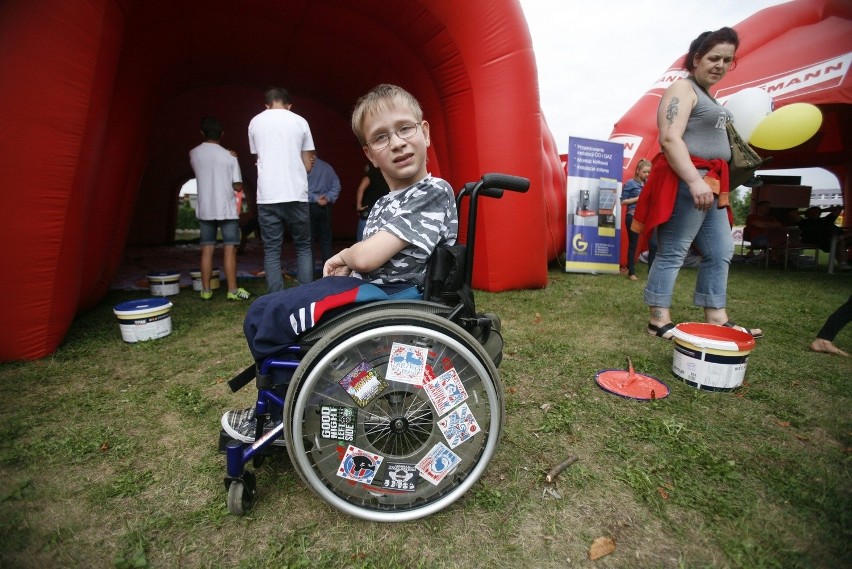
(241, 493)
(396, 428)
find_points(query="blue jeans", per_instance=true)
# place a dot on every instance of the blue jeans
(321, 229)
(632, 241)
(652, 248)
(273, 218)
(710, 231)
(359, 232)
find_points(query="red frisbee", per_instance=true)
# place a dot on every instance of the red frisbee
(628, 383)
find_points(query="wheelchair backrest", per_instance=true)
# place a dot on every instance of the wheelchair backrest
(445, 272)
(449, 273)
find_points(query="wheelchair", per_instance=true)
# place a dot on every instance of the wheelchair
(394, 408)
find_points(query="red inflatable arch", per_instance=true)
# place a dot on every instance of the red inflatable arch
(799, 52)
(101, 100)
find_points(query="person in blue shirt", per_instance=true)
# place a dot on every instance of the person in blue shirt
(629, 196)
(323, 191)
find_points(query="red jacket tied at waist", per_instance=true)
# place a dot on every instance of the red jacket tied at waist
(656, 202)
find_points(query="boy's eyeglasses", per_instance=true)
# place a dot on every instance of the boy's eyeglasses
(381, 141)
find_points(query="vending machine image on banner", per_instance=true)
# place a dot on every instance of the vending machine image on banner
(594, 232)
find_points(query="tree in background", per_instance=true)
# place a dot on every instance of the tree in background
(186, 216)
(740, 203)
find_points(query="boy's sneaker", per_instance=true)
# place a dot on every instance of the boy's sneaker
(206, 294)
(241, 424)
(239, 294)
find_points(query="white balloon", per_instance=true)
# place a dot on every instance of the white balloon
(749, 107)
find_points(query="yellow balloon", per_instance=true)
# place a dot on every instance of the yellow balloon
(787, 127)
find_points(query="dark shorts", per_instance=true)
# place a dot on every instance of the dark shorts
(230, 231)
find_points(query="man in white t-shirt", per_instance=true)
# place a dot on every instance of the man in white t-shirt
(219, 179)
(283, 144)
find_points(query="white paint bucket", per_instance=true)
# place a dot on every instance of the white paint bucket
(164, 284)
(146, 319)
(196, 280)
(711, 357)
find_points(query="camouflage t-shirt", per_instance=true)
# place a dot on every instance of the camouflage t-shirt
(423, 215)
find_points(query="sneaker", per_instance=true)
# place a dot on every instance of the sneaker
(206, 294)
(239, 294)
(240, 425)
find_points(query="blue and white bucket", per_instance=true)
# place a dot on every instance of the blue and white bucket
(164, 284)
(196, 279)
(145, 319)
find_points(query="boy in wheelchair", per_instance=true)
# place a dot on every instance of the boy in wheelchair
(402, 231)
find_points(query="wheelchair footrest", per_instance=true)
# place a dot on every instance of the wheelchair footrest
(242, 379)
(271, 450)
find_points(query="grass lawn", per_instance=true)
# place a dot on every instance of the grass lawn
(108, 453)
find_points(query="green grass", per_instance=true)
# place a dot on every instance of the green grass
(108, 450)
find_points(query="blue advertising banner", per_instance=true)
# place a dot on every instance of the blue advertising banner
(594, 208)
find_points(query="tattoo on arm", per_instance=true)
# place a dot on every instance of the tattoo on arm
(671, 110)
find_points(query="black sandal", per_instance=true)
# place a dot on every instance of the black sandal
(661, 331)
(749, 331)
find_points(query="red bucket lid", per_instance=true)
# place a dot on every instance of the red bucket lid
(714, 336)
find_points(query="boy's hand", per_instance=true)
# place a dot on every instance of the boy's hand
(336, 267)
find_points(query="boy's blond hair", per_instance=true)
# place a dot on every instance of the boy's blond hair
(378, 99)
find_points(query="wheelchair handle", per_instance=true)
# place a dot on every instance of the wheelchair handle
(490, 185)
(500, 182)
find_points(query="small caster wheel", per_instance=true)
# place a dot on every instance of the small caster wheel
(241, 494)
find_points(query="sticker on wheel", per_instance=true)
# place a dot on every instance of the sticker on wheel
(459, 426)
(438, 463)
(338, 422)
(407, 364)
(359, 465)
(428, 374)
(401, 476)
(445, 391)
(363, 384)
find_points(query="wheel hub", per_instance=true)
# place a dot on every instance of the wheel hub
(399, 425)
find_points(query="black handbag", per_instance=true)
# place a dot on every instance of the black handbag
(744, 160)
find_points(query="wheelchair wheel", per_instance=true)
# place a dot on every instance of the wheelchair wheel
(241, 494)
(393, 415)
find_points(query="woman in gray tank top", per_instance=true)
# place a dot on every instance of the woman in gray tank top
(688, 194)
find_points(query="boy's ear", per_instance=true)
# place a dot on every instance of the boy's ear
(369, 156)
(424, 125)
